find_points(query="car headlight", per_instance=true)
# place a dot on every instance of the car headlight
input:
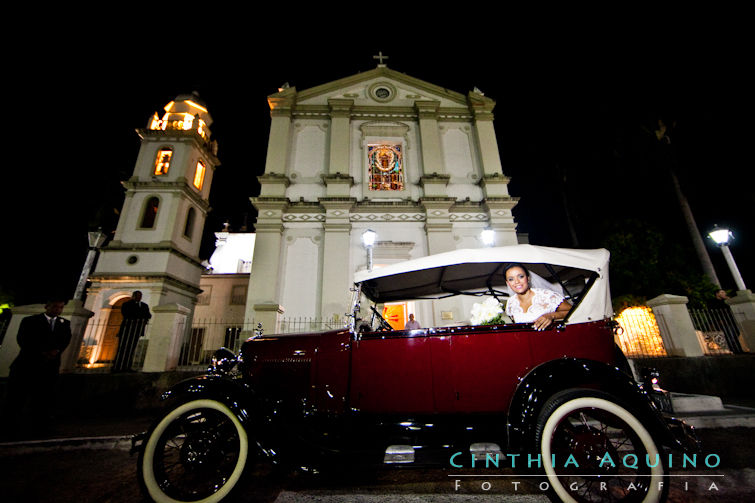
(223, 362)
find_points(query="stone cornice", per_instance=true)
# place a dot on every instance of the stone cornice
(127, 278)
(163, 246)
(338, 179)
(208, 148)
(340, 107)
(378, 72)
(274, 178)
(181, 186)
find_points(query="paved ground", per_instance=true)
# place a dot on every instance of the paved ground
(102, 470)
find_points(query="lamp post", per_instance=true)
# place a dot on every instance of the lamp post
(721, 237)
(488, 237)
(96, 240)
(368, 240)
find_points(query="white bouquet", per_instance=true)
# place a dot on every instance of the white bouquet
(488, 312)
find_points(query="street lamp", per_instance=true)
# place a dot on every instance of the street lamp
(368, 240)
(488, 236)
(721, 237)
(96, 240)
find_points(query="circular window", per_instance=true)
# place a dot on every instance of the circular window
(133, 259)
(382, 91)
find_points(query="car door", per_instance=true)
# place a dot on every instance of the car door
(477, 368)
(391, 372)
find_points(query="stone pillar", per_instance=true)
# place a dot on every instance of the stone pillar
(501, 220)
(265, 277)
(438, 224)
(482, 109)
(336, 277)
(269, 316)
(675, 325)
(74, 312)
(281, 105)
(429, 136)
(340, 114)
(743, 308)
(170, 324)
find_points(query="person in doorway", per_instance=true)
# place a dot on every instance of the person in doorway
(412, 324)
(538, 306)
(135, 317)
(34, 373)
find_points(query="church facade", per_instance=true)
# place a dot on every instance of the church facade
(411, 161)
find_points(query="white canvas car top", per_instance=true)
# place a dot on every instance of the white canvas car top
(477, 270)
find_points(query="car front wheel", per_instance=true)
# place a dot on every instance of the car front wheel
(196, 452)
(594, 449)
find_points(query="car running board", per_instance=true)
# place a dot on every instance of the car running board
(398, 454)
(481, 450)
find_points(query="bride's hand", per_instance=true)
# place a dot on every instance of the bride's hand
(542, 322)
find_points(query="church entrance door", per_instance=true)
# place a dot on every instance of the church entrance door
(109, 345)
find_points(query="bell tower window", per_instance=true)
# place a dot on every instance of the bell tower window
(386, 166)
(150, 213)
(189, 226)
(199, 175)
(162, 163)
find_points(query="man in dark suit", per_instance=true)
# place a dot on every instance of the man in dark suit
(135, 316)
(42, 338)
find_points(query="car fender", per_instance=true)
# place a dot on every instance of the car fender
(542, 382)
(236, 395)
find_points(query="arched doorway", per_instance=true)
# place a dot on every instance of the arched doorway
(110, 336)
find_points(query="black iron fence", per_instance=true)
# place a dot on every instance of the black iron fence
(111, 347)
(717, 331)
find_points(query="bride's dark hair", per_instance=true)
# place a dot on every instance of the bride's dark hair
(515, 264)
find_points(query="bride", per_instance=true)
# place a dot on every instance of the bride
(540, 306)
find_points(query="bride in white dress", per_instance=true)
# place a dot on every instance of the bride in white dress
(539, 306)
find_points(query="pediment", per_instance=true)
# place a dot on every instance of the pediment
(379, 87)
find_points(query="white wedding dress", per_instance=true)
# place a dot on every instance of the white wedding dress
(545, 301)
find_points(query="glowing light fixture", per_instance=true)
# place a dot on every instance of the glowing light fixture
(196, 105)
(488, 237)
(721, 237)
(368, 240)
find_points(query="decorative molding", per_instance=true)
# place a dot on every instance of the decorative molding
(387, 217)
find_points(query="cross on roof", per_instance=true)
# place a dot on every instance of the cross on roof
(380, 58)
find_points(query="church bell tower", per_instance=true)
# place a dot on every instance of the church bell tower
(156, 244)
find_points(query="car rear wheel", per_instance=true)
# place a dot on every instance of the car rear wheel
(196, 452)
(601, 450)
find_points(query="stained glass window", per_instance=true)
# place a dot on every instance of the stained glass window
(386, 166)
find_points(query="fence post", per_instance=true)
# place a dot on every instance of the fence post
(743, 308)
(675, 324)
(166, 333)
(74, 312)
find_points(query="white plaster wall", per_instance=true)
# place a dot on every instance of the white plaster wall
(308, 157)
(301, 284)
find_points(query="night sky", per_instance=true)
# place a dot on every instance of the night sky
(572, 117)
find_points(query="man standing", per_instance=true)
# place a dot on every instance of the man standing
(412, 324)
(135, 316)
(42, 338)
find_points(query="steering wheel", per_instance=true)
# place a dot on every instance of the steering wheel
(382, 324)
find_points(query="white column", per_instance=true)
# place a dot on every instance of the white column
(336, 273)
(169, 326)
(675, 325)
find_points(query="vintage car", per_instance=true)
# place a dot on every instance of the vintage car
(453, 393)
